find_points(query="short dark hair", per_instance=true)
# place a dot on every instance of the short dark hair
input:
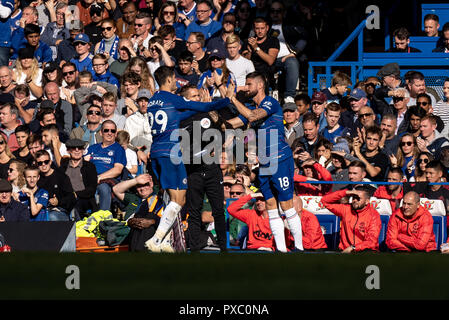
(374, 130)
(368, 191)
(431, 16)
(186, 56)
(435, 164)
(401, 33)
(23, 128)
(417, 111)
(258, 75)
(303, 97)
(50, 127)
(396, 170)
(162, 74)
(310, 117)
(166, 30)
(41, 153)
(424, 95)
(358, 164)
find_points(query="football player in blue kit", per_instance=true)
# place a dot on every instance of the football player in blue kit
(165, 111)
(277, 168)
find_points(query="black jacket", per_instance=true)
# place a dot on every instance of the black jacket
(58, 184)
(89, 175)
(292, 35)
(14, 211)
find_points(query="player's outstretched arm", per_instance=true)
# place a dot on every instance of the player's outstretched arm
(251, 115)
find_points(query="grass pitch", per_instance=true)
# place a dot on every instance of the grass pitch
(211, 276)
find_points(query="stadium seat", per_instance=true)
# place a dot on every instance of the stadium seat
(330, 226)
(313, 204)
(383, 232)
(381, 205)
(435, 207)
(440, 230)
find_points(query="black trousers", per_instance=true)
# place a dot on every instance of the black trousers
(201, 180)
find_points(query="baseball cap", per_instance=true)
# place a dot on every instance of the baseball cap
(217, 52)
(82, 37)
(144, 93)
(357, 94)
(291, 106)
(319, 97)
(342, 145)
(52, 66)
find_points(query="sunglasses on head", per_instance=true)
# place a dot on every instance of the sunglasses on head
(110, 130)
(406, 143)
(68, 73)
(41, 163)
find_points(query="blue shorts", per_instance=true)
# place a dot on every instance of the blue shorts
(170, 175)
(280, 184)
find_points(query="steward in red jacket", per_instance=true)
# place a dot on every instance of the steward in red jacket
(360, 223)
(410, 228)
(259, 231)
(313, 171)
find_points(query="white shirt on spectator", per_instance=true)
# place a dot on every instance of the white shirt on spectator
(240, 67)
(131, 159)
(37, 82)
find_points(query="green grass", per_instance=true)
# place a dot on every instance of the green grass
(229, 276)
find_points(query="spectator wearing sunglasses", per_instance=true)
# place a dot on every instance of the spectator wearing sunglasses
(168, 15)
(406, 156)
(83, 176)
(400, 102)
(421, 163)
(82, 46)
(109, 159)
(70, 84)
(93, 29)
(57, 183)
(109, 43)
(90, 131)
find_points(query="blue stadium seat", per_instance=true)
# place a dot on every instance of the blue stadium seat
(440, 229)
(425, 44)
(383, 232)
(330, 225)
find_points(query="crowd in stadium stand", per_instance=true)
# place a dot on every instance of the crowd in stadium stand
(76, 79)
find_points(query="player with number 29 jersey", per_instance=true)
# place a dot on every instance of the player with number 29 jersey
(165, 112)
